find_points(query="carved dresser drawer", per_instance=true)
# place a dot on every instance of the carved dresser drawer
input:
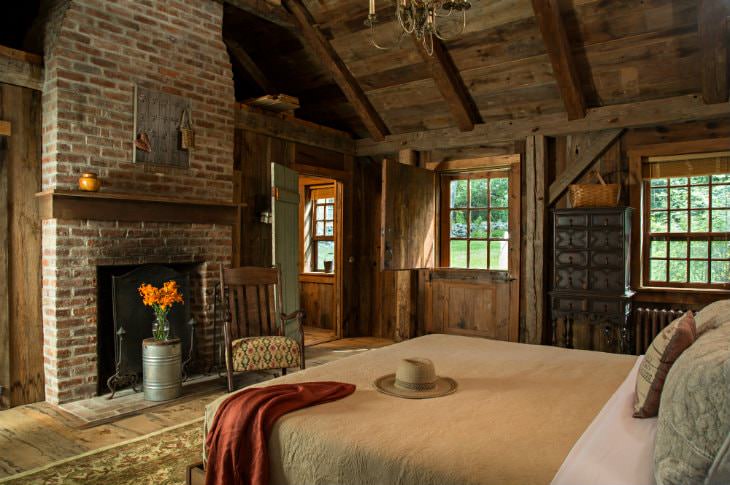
(591, 270)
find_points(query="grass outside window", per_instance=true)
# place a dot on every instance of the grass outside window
(478, 221)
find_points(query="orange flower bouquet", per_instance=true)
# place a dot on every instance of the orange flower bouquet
(161, 301)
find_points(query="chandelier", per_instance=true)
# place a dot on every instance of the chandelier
(423, 19)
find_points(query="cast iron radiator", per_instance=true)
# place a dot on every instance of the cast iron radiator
(648, 322)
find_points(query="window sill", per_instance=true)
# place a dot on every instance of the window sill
(665, 289)
(317, 277)
(471, 270)
(678, 296)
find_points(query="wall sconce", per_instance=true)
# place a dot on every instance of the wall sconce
(265, 217)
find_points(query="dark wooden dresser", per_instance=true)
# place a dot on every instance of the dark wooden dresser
(591, 268)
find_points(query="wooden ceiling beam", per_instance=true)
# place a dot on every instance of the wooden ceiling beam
(337, 68)
(558, 47)
(451, 85)
(645, 113)
(291, 129)
(589, 148)
(276, 14)
(21, 68)
(242, 57)
(712, 23)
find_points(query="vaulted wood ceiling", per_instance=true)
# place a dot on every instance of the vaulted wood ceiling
(621, 51)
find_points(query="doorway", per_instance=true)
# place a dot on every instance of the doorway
(320, 240)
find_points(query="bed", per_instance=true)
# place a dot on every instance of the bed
(523, 415)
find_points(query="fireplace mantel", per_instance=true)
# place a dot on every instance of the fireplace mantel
(113, 206)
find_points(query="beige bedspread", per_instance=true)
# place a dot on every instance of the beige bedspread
(518, 411)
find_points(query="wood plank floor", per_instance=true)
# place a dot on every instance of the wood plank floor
(315, 336)
(41, 433)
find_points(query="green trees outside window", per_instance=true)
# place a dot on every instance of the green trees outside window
(479, 222)
(688, 231)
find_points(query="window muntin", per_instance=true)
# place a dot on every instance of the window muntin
(478, 221)
(687, 231)
(323, 231)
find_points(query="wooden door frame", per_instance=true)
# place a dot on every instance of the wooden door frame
(343, 194)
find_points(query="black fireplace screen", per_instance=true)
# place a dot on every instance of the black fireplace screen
(136, 320)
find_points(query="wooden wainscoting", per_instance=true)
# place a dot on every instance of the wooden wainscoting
(318, 300)
(470, 302)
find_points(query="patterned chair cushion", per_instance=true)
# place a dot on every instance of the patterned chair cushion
(261, 353)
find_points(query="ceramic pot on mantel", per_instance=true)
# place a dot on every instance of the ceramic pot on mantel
(162, 369)
(89, 182)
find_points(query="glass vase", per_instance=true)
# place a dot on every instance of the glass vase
(161, 329)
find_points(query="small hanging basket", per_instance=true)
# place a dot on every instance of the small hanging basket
(594, 195)
(187, 135)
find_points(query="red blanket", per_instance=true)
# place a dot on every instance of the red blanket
(237, 439)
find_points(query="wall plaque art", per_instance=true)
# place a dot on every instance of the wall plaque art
(157, 131)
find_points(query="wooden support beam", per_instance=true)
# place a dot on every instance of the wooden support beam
(21, 68)
(21, 315)
(339, 71)
(242, 57)
(287, 128)
(5, 374)
(534, 218)
(712, 23)
(450, 84)
(586, 151)
(631, 115)
(558, 47)
(406, 282)
(271, 12)
(5, 128)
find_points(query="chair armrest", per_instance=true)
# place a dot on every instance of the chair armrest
(295, 314)
(298, 315)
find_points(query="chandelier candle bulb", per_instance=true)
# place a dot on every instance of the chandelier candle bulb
(424, 19)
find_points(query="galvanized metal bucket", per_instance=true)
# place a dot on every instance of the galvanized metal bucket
(162, 369)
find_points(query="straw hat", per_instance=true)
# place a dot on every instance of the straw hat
(415, 378)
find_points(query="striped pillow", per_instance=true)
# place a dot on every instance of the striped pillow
(664, 350)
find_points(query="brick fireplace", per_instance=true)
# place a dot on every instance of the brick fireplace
(95, 54)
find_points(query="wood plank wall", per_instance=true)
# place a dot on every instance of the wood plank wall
(379, 297)
(367, 186)
(614, 166)
(253, 155)
(374, 302)
(21, 325)
(318, 301)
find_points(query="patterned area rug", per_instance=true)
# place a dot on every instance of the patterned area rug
(159, 458)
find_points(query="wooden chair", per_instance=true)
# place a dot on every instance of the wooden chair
(254, 328)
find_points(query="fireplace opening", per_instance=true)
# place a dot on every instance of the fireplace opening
(119, 283)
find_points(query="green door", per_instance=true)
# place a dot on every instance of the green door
(285, 237)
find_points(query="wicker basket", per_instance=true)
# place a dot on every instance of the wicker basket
(187, 135)
(594, 195)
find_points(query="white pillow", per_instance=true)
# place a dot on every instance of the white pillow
(712, 316)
